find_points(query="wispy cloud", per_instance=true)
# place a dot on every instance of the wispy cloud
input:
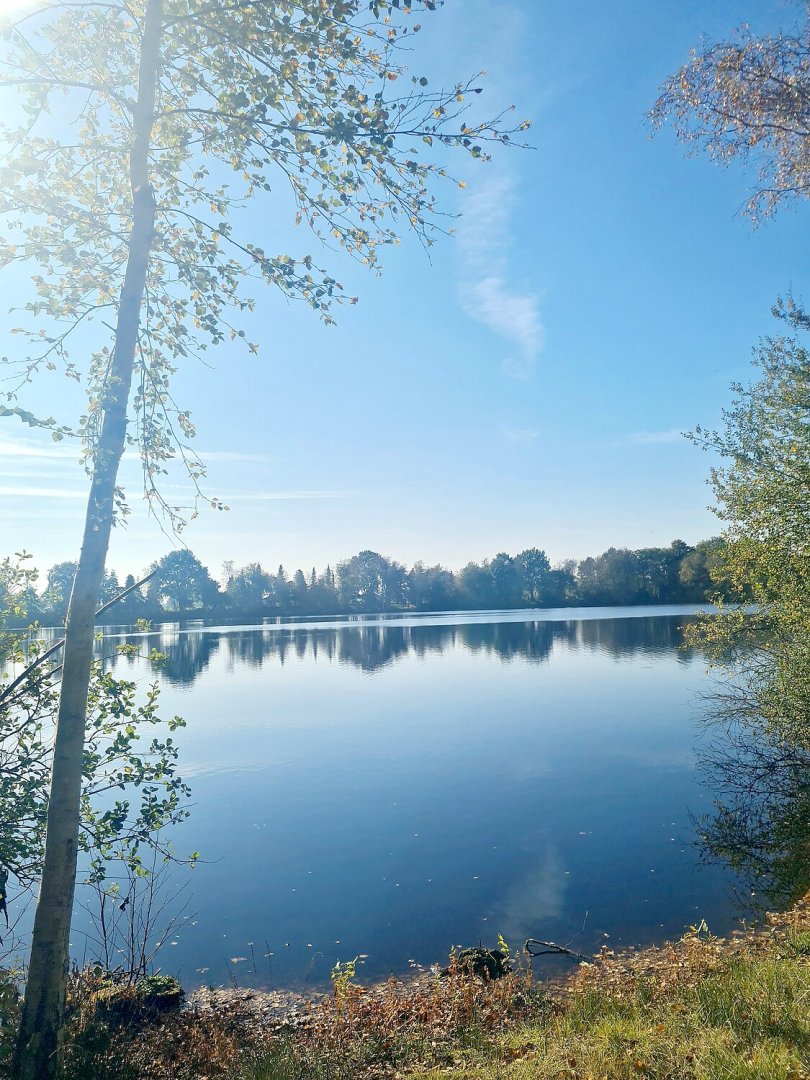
(27, 449)
(486, 216)
(227, 455)
(521, 436)
(68, 452)
(273, 496)
(23, 471)
(51, 513)
(32, 491)
(512, 315)
(488, 294)
(39, 471)
(650, 438)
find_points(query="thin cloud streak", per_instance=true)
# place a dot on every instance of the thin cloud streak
(33, 492)
(68, 453)
(52, 513)
(485, 221)
(228, 455)
(512, 315)
(23, 472)
(28, 448)
(652, 438)
(522, 436)
(486, 292)
(273, 496)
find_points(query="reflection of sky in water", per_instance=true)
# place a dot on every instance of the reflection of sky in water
(534, 898)
(392, 789)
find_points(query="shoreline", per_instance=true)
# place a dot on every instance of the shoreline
(696, 1009)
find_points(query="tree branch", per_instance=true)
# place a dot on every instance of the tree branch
(40, 660)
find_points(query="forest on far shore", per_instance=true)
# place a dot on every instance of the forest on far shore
(368, 582)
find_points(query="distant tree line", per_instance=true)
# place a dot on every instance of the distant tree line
(369, 582)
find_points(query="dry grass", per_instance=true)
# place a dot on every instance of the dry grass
(701, 1009)
(392, 1029)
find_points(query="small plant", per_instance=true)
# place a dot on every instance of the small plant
(102, 997)
(484, 963)
(701, 931)
(343, 975)
(159, 987)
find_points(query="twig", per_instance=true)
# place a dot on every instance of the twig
(124, 592)
(28, 671)
(550, 948)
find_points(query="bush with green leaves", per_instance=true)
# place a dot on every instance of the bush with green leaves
(762, 487)
(132, 789)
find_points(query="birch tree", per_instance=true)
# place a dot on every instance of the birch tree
(139, 129)
(748, 100)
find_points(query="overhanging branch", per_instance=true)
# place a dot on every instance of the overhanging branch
(40, 660)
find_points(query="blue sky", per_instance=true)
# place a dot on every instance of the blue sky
(529, 384)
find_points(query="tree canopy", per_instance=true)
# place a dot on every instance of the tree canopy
(140, 128)
(748, 99)
(763, 496)
(248, 100)
(182, 584)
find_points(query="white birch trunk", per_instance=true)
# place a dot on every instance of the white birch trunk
(38, 1041)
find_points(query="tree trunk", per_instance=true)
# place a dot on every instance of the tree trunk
(38, 1040)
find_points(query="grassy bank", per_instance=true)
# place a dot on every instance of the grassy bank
(700, 1009)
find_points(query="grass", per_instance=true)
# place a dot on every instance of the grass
(700, 1009)
(747, 1021)
(703, 1010)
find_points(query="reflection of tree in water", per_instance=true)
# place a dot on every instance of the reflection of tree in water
(433, 639)
(534, 641)
(187, 656)
(531, 641)
(761, 822)
(628, 637)
(373, 647)
(246, 648)
(370, 646)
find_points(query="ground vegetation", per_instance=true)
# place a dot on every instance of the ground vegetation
(697, 1009)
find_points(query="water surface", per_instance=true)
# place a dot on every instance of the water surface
(391, 786)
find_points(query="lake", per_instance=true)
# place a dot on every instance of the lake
(391, 786)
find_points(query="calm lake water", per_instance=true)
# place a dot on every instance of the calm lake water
(392, 786)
